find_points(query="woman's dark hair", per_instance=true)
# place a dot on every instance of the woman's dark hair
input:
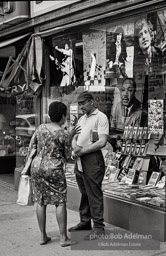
(56, 111)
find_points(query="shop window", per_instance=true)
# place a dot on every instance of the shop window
(122, 63)
(7, 126)
(100, 58)
(26, 122)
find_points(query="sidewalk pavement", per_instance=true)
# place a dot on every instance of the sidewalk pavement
(19, 233)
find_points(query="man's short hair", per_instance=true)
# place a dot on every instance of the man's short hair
(132, 80)
(85, 96)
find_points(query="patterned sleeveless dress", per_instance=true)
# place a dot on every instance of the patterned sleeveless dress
(47, 169)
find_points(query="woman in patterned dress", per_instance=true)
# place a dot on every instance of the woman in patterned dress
(47, 170)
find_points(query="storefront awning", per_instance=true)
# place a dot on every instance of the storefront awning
(26, 70)
(12, 40)
(128, 7)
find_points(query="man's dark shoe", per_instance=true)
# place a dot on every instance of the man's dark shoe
(80, 226)
(95, 234)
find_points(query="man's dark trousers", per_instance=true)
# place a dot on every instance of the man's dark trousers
(90, 185)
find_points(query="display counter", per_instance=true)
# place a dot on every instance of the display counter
(125, 213)
(134, 216)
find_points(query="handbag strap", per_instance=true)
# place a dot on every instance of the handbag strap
(43, 148)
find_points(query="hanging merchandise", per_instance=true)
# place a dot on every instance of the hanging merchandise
(12, 71)
(35, 58)
(24, 73)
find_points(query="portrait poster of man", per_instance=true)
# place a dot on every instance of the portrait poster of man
(120, 50)
(128, 111)
(149, 52)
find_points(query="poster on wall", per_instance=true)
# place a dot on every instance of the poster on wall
(128, 96)
(149, 51)
(136, 66)
(62, 57)
(120, 51)
(128, 111)
(156, 128)
(156, 117)
(162, 25)
(66, 68)
(94, 55)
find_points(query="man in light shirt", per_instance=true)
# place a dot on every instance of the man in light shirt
(87, 147)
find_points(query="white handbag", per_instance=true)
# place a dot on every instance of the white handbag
(25, 191)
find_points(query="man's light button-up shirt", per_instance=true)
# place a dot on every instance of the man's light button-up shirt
(98, 121)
